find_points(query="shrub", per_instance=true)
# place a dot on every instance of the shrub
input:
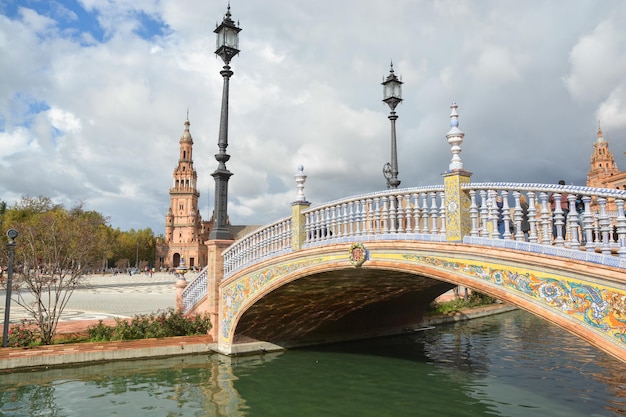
(476, 299)
(162, 324)
(99, 332)
(23, 334)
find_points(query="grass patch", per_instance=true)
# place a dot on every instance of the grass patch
(475, 300)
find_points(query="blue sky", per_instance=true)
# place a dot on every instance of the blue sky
(94, 95)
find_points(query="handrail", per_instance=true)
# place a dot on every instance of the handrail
(195, 290)
(419, 213)
(261, 243)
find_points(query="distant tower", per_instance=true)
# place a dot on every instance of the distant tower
(602, 167)
(185, 232)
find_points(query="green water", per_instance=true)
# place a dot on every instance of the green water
(505, 365)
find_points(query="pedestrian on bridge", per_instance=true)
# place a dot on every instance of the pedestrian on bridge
(499, 205)
(525, 226)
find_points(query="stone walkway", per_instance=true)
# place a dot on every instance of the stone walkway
(105, 298)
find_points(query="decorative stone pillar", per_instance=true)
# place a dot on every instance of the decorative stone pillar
(298, 220)
(214, 278)
(458, 219)
(180, 285)
(458, 202)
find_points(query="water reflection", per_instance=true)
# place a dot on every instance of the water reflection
(190, 385)
(508, 365)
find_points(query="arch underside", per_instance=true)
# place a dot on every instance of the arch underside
(339, 305)
(319, 297)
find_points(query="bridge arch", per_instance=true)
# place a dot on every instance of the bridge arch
(586, 300)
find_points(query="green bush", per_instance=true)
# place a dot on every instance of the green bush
(99, 332)
(162, 324)
(476, 299)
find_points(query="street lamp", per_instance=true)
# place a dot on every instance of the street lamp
(392, 93)
(11, 234)
(227, 48)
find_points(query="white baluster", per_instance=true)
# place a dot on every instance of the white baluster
(484, 214)
(385, 214)
(572, 222)
(621, 228)
(369, 217)
(493, 214)
(425, 215)
(442, 212)
(416, 213)
(506, 214)
(588, 224)
(408, 213)
(433, 212)
(378, 226)
(532, 217)
(546, 220)
(558, 219)
(605, 226)
(518, 216)
(473, 214)
(393, 219)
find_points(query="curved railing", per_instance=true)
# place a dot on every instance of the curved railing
(416, 211)
(195, 290)
(599, 227)
(265, 242)
(419, 213)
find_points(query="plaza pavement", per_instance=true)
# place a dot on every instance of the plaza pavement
(107, 296)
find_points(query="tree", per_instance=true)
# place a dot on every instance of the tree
(55, 250)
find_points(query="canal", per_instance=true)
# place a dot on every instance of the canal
(511, 364)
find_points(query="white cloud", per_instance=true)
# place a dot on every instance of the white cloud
(612, 111)
(498, 64)
(100, 116)
(64, 120)
(598, 60)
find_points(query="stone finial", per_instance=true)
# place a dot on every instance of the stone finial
(455, 139)
(300, 179)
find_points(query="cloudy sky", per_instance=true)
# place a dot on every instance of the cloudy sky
(94, 95)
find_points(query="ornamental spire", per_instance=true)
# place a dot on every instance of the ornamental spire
(455, 139)
(600, 137)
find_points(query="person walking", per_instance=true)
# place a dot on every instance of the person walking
(580, 210)
(499, 205)
(525, 226)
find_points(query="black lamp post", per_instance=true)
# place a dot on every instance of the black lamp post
(12, 234)
(392, 93)
(227, 48)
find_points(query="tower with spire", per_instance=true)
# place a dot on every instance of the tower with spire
(185, 232)
(603, 171)
(602, 168)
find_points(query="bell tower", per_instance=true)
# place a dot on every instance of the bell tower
(602, 166)
(184, 230)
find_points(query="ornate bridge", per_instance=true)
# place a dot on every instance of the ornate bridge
(370, 265)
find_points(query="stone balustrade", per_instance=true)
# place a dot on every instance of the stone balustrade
(419, 213)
